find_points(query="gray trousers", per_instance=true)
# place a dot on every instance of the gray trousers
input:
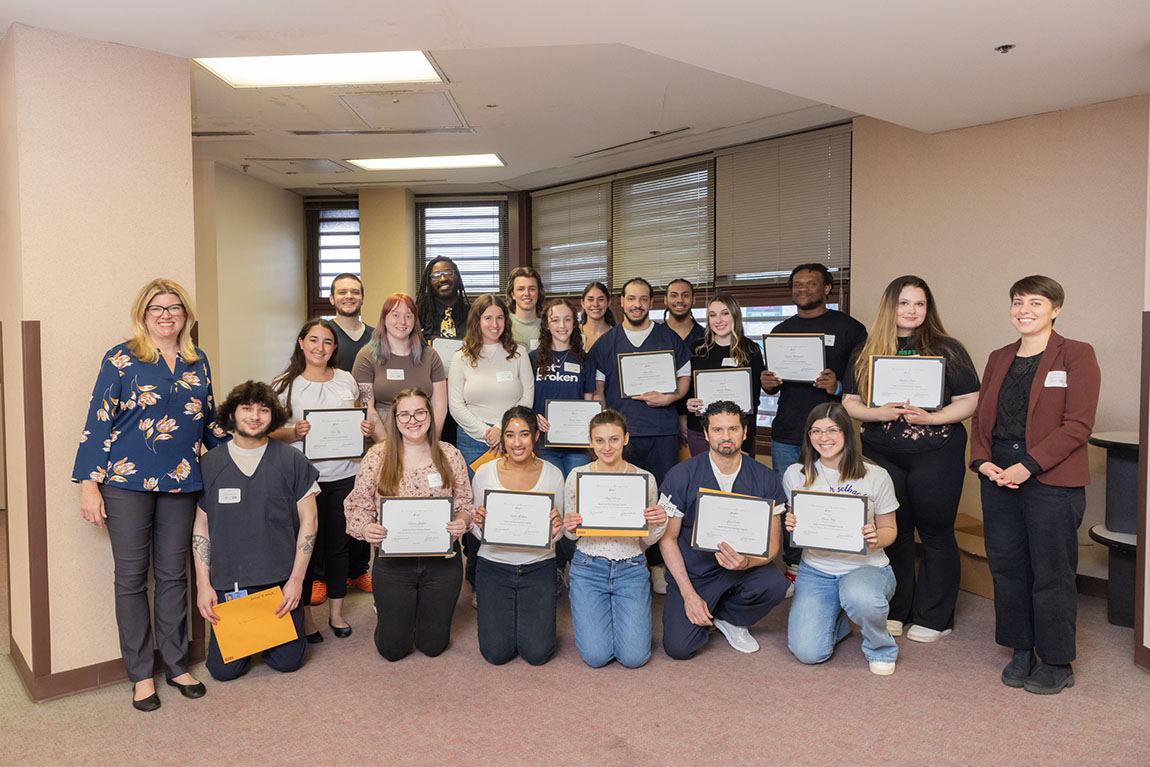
(145, 526)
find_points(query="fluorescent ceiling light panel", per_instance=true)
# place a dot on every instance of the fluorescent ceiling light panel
(427, 163)
(323, 69)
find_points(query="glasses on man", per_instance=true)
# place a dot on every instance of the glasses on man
(443, 275)
(418, 416)
(834, 431)
(175, 310)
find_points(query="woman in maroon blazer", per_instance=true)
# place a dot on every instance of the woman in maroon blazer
(1028, 443)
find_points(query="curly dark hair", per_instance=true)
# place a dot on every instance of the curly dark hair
(251, 393)
(546, 355)
(722, 407)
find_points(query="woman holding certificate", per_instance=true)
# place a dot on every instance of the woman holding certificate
(597, 316)
(398, 358)
(912, 386)
(414, 596)
(312, 381)
(610, 585)
(560, 374)
(724, 347)
(1028, 444)
(851, 582)
(519, 509)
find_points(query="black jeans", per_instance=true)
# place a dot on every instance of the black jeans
(516, 611)
(415, 598)
(928, 485)
(329, 559)
(1032, 549)
(150, 528)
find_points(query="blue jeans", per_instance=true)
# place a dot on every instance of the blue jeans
(783, 454)
(566, 458)
(824, 605)
(516, 611)
(611, 610)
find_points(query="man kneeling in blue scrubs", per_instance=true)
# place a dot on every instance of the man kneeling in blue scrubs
(255, 524)
(725, 589)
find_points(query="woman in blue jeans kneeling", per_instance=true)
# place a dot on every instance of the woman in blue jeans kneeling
(515, 586)
(610, 586)
(834, 588)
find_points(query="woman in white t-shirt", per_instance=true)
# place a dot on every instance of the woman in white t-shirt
(515, 585)
(312, 381)
(835, 588)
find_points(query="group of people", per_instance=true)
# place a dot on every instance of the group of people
(455, 394)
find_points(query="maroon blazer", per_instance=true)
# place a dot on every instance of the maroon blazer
(1059, 419)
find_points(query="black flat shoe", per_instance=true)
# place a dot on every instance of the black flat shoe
(192, 691)
(343, 632)
(150, 703)
(315, 638)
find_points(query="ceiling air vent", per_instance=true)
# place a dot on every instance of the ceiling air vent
(293, 166)
(220, 133)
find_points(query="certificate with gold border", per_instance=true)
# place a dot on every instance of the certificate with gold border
(743, 522)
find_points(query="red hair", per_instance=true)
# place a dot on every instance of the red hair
(380, 349)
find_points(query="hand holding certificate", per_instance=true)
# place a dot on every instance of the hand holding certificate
(913, 379)
(831, 521)
(521, 519)
(611, 503)
(742, 522)
(334, 433)
(731, 384)
(416, 527)
(798, 357)
(569, 421)
(642, 372)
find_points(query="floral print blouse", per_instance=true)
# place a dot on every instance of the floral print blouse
(146, 424)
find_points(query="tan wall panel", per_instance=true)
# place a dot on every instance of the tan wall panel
(207, 289)
(260, 277)
(971, 211)
(386, 246)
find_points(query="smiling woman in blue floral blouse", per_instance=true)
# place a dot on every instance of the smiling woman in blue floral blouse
(138, 467)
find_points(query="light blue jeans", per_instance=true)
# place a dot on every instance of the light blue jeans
(611, 609)
(825, 605)
(783, 454)
(567, 459)
(470, 449)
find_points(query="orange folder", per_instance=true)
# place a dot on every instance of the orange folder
(249, 625)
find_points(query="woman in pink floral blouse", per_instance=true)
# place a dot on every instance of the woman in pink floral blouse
(138, 467)
(414, 596)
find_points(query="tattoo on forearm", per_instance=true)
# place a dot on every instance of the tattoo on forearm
(203, 548)
(308, 543)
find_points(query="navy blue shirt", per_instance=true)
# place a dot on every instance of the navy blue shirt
(642, 419)
(563, 379)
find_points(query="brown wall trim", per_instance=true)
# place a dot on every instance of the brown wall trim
(1141, 651)
(518, 229)
(37, 500)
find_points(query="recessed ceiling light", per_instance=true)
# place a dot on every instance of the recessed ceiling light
(426, 163)
(323, 69)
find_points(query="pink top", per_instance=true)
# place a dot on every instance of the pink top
(362, 503)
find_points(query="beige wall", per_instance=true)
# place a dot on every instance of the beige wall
(251, 269)
(91, 121)
(971, 211)
(386, 246)
(1143, 632)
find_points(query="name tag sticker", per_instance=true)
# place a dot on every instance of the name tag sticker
(394, 375)
(533, 344)
(229, 495)
(829, 339)
(1056, 378)
(572, 367)
(504, 376)
(434, 480)
(728, 363)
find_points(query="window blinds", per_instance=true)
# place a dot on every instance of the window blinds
(571, 237)
(472, 234)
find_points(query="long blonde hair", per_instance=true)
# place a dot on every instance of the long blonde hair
(140, 345)
(391, 467)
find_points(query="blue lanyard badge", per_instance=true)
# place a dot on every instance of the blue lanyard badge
(229, 596)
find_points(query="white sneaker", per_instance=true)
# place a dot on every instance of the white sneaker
(738, 636)
(917, 633)
(790, 574)
(659, 579)
(882, 667)
(894, 628)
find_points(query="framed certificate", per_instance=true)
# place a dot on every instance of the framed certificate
(521, 519)
(611, 503)
(733, 384)
(416, 527)
(899, 379)
(446, 349)
(570, 419)
(831, 521)
(795, 357)
(743, 522)
(641, 372)
(334, 433)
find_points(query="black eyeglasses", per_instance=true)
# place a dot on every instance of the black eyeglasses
(441, 275)
(175, 310)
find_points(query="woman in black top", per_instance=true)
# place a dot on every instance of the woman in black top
(923, 451)
(723, 346)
